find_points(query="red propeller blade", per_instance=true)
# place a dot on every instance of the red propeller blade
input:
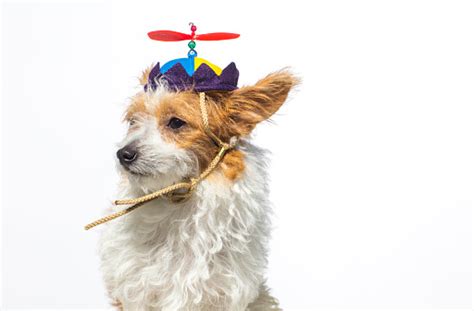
(214, 36)
(168, 35)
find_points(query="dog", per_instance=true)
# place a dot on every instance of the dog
(208, 252)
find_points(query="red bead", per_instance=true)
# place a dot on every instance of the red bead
(193, 28)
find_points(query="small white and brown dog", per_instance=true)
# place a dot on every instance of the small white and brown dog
(210, 251)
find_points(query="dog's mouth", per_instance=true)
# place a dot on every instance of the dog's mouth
(132, 170)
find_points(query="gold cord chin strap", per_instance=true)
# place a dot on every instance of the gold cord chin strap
(171, 191)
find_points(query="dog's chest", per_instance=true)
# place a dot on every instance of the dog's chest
(173, 259)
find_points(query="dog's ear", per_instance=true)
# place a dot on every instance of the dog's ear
(250, 105)
(144, 76)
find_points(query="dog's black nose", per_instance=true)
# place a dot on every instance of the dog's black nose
(127, 154)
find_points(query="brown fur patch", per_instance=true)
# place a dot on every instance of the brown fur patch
(136, 107)
(233, 164)
(185, 106)
(145, 73)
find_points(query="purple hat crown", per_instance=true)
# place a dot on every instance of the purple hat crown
(203, 79)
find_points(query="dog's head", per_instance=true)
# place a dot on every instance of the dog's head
(166, 141)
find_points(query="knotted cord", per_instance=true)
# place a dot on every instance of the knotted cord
(170, 191)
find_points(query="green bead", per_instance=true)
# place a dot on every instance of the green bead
(192, 44)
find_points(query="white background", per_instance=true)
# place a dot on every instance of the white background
(372, 171)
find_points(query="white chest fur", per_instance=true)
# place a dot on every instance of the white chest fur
(208, 253)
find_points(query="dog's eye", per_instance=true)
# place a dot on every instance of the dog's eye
(132, 121)
(176, 123)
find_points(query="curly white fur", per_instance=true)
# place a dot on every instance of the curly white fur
(208, 253)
